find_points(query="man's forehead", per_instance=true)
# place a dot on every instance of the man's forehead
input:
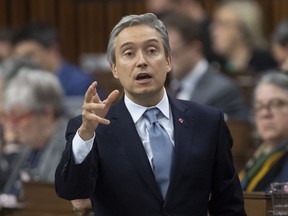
(138, 34)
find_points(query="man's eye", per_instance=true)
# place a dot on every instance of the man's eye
(152, 51)
(128, 54)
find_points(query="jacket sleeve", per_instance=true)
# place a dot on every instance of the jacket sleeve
(75, 181)
(227, 195)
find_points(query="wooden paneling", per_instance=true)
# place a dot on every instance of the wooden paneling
(43, 11)
(66, 23)
(134, 7)
(18, 13)
(91, 23)
(114, 12)
(279, 11)
(84, 25)
(4, 13)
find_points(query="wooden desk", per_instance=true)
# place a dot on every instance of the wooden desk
(257, 203)
(40, 199)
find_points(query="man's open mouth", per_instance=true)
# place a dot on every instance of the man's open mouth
(143, 76)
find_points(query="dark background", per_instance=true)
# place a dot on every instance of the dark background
(84, 25)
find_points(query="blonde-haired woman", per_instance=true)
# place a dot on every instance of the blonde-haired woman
(237, 35)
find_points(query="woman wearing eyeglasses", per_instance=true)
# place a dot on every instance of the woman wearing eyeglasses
(270, 161)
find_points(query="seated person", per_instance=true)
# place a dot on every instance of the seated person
(33, 109)
(280, 45)
(192, 77)
(39, 42)
(9, 151)
(197, 11)
(270, 161)
(10, 145)
(237, 35)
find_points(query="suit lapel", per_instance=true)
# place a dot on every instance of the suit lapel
(183, 135)
(127, 135)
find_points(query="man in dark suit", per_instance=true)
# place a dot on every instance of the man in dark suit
(193, 77)
(109, 155)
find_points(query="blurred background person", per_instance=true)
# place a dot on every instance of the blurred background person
(39, 42)
(159, 7)
(10, 145)
(238, 36)
(280, 45)
(192, 78)
(6, 36)
(33, 109)
(195, 9)
(270, 161)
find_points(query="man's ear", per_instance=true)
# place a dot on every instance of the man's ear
(169, 63)
(114, 70)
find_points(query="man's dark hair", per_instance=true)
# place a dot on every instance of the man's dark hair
(189, 30)
(6, 35)
(42, 33)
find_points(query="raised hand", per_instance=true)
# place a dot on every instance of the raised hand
(94, 111)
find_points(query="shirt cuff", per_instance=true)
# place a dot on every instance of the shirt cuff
(81, 148)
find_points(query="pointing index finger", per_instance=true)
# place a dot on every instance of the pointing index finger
(91, 92)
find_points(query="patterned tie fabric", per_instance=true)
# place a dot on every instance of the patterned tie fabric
(162, 149)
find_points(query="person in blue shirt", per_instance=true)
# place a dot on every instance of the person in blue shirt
(39, 42)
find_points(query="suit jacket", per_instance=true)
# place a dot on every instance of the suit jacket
(118, 178)
(274, 163)
(217, 90)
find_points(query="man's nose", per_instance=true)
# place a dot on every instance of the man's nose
(141, 59)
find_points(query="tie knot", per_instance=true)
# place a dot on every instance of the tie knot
(152, 115)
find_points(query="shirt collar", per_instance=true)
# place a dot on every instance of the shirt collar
(136, 110)
(195, 74)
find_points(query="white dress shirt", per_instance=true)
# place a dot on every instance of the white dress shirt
(188, 83)
(82, 148)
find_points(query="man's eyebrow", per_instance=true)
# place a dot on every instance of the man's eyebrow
(153, 40)
(125, 44)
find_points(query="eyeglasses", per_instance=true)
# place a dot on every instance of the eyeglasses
(273, 106)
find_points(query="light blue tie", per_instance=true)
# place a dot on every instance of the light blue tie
(162, 149)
